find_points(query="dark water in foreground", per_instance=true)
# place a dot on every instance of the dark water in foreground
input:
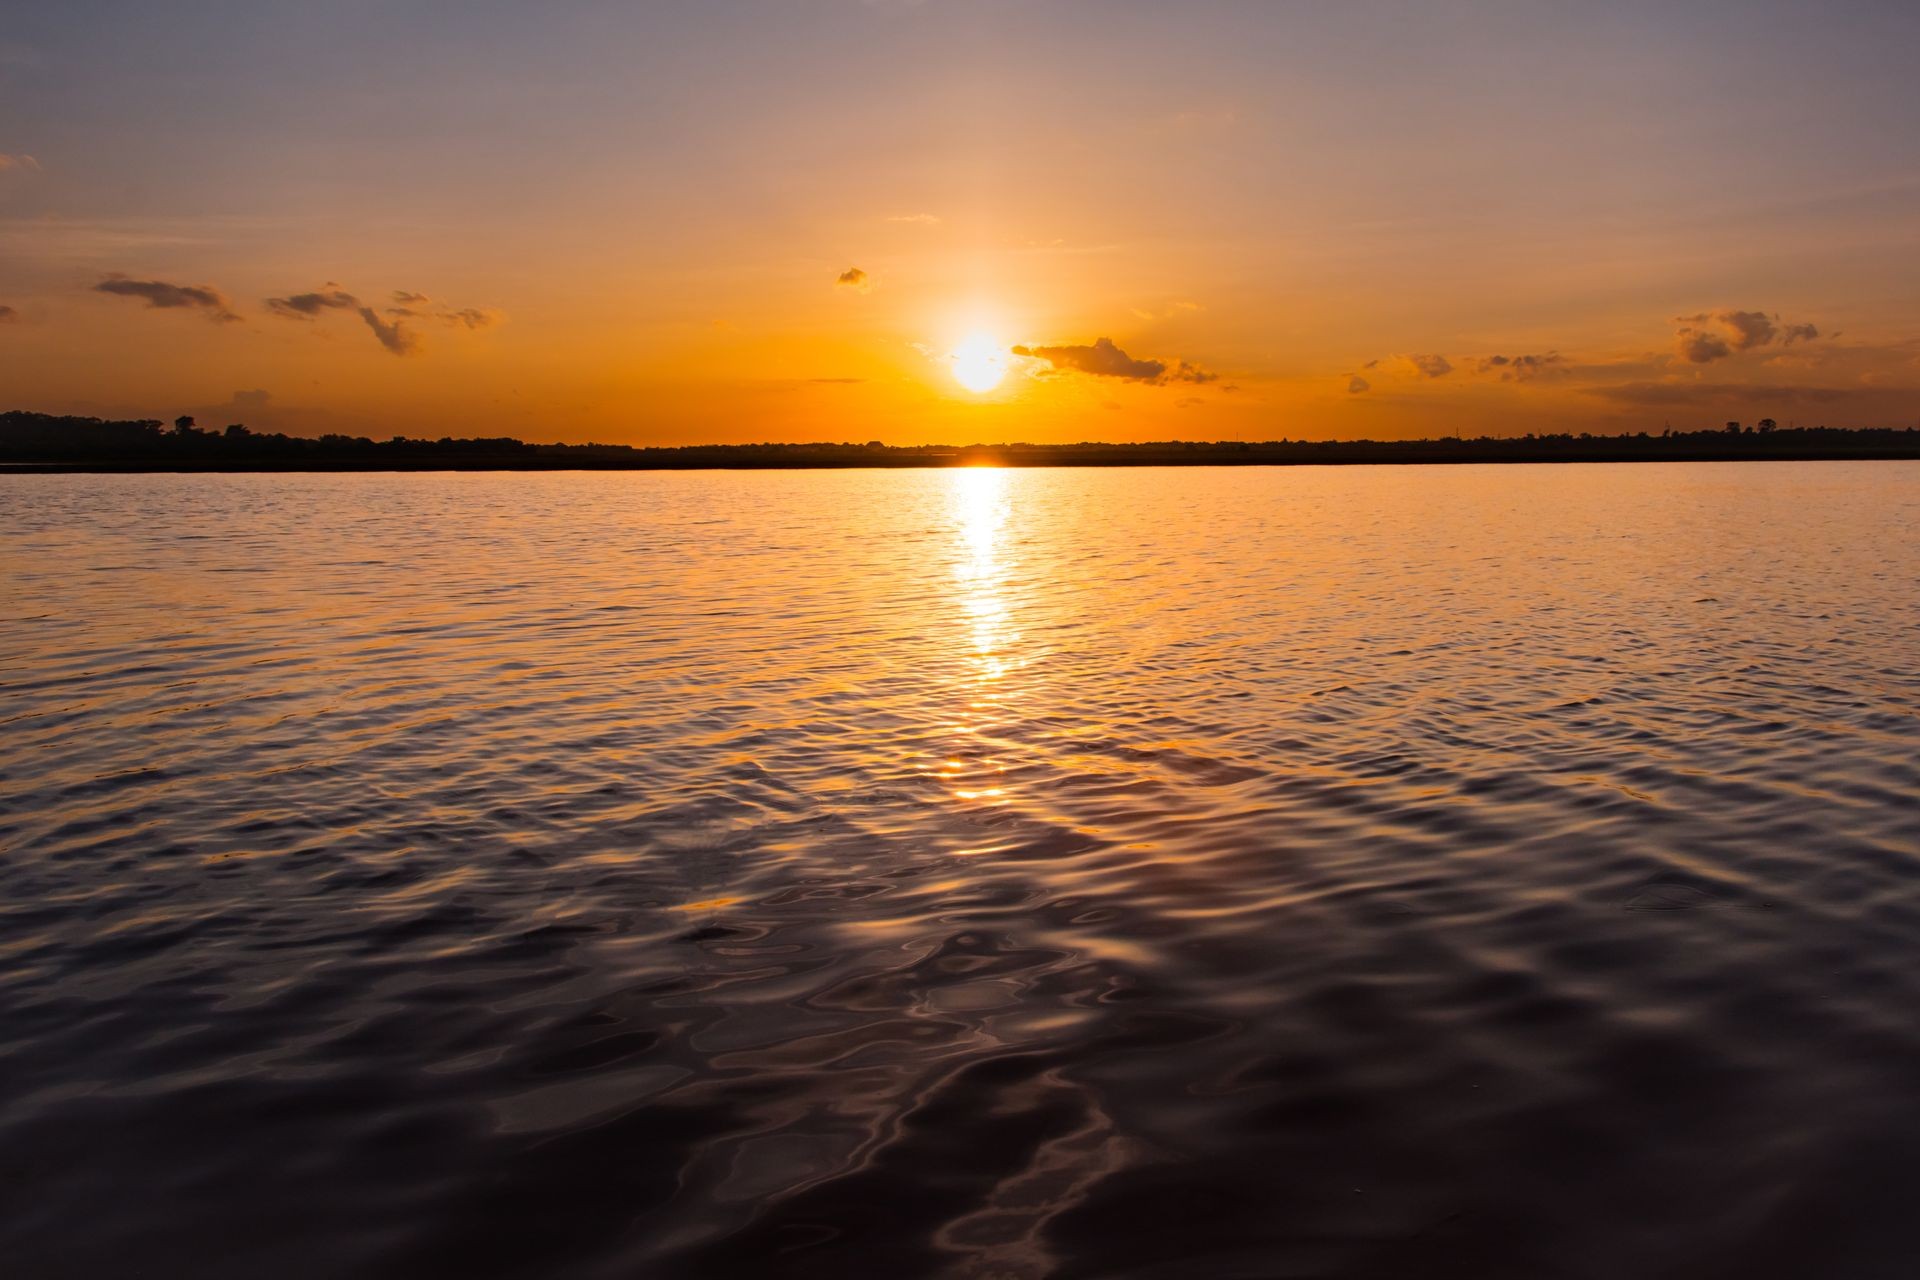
(1400, 872)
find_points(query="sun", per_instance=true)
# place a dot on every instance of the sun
(979, 362)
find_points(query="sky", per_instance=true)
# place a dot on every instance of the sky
(948, 221)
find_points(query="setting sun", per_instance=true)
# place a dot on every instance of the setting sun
(979, 363)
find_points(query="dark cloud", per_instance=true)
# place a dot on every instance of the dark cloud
(1105, 360)
(1357, 384)
(1747, 328)
(1715, 335)
(393, 335)
(161, 296)
(1520, 368)
(254, 399)
(409, 305)
(391, 330)
(7, 314)
(330, 297)
(853, 278)
(472, 317)
(1697, 347)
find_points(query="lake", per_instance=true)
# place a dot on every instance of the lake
(1466, 871)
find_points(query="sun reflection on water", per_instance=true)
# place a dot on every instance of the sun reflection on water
(981, 503)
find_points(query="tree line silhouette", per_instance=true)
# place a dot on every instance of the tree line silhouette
(41, 441)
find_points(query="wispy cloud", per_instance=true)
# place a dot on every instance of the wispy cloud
(1357, 385)
(161, 295)
(410, 305)
(18, 163)
(471, 317)
(1105, 360)
(1523, 368)
(854, 278)
(393, 335)
(7, 314)
(917, 219)
(390, 330)
(1421, 366)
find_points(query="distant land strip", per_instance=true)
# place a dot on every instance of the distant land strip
(38, 442)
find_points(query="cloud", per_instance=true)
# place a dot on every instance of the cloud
(472, 317)
(305, 306)
(1715, 335)
(261, 410)
(161, 296)
(410, 305)
(917, 219)
(393, 335)
(1357, 384)
(854, 278)
(1748, 328)
(1105, 360)
(26, 164)
(1696, 347)
(1520, 368)
(1424, 366)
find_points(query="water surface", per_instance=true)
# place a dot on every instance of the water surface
(1377, 872)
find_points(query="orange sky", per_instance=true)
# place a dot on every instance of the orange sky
(750, 221)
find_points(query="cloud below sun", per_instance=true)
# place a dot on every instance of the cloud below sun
(1104, 359)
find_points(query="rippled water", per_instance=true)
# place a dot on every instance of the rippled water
(1384, 872)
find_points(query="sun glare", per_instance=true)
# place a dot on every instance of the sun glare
(979, 362)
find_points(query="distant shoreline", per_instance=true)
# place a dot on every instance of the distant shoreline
(33, 443)
(346, 467)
